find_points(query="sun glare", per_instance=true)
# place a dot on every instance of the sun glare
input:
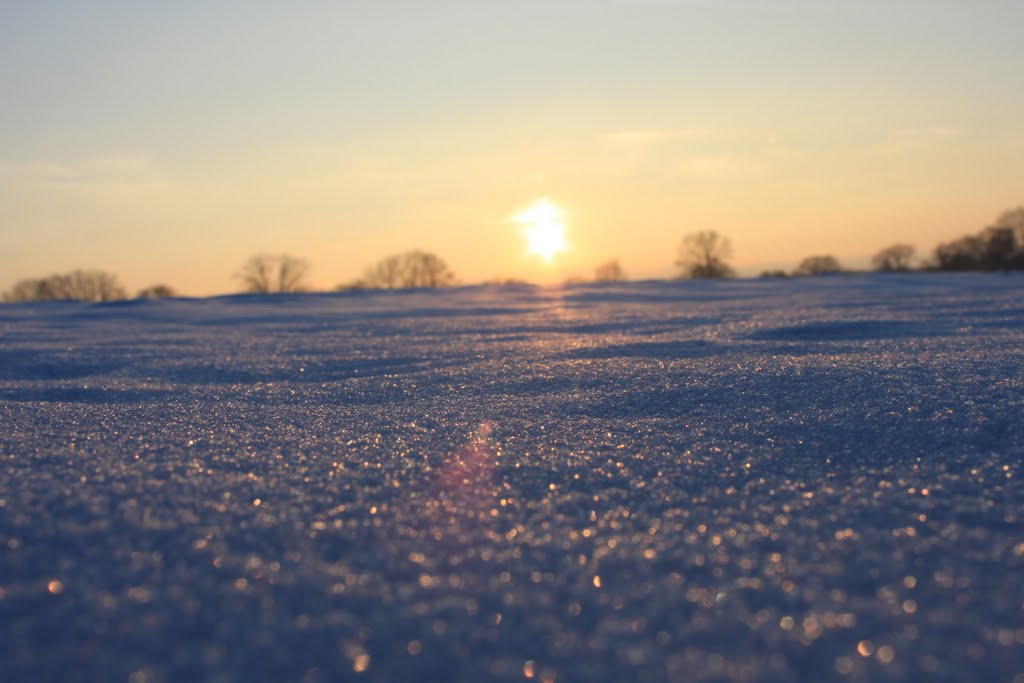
(544, 229)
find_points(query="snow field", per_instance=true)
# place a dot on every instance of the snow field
(815, 479)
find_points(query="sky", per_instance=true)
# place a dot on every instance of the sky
(168, 142)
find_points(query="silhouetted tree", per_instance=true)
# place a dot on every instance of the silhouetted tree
(818, 265)
(965, 253)
(29, 289)
(609, 272)
(270, 273)
(77, 285)
(1004, 249)
(1014, 220)
(1001, 248)
(703, 255)
(156, 292)
(413, 269)
(997, 247)
(895, 258)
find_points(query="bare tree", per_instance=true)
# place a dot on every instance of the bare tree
(1002, 251)
(1005, 241)
(77, 285)
(90, 285)
(704, 254)
(997, 247)
(270, 273)
(1014, 220)
(609, 272)
(413, 269)
(29, 289)
(385, 274)
(895, 258)
(818, 265)
(965, 253)
(427, 270)
(22, 290)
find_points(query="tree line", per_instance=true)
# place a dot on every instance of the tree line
(276, 273)
(998, 247)
(702, 254)
(260, 274)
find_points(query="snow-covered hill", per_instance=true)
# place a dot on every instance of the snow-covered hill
(815, 479)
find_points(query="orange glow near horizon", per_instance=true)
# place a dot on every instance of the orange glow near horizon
(545, 229)
(492, 137)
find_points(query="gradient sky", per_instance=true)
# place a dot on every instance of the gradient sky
(167, 142)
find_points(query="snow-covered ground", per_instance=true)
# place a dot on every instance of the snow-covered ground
(815, 479)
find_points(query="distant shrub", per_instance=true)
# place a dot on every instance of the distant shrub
(818, 265)
(895, 258)
(353, 286)
(703, 255)
(610, 271)
(411, 270)
(509, 282)
(156, 292)
(271, 273)
(773, 273)
(77, 285)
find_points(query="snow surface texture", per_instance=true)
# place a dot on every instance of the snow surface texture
(817, 479)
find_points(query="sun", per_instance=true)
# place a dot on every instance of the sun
(544, 229)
